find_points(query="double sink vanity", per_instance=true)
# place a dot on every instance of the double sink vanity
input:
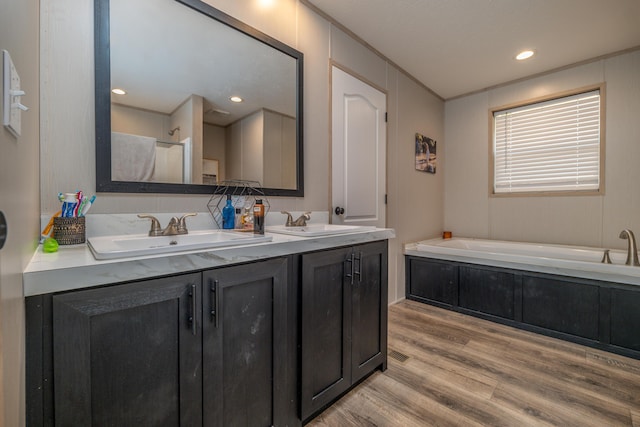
(254, 330)
(213, 327)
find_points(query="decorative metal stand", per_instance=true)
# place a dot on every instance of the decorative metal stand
(243, 194)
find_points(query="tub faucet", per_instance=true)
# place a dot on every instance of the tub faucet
(632, 251)
(300, 222)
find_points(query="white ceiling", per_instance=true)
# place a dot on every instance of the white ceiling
(455, 47)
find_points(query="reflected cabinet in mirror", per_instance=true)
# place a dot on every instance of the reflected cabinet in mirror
(204, 98)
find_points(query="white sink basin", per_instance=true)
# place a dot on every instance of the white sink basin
(110, 247)
(312, 230)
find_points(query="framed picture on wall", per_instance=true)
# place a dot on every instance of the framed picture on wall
(425, 154)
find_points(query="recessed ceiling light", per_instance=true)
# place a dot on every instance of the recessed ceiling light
(525, 54)
(118, 91)
(235, 99)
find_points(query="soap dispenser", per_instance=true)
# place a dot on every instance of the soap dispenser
(228, 215)
(258, 217)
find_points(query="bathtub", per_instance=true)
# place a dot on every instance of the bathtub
(574, 261)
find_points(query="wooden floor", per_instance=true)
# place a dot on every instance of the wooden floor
(463, 371)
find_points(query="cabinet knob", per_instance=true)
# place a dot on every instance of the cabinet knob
(339, 210)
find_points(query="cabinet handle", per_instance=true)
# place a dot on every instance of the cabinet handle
(351, 260)
(214, 303)
(358, 272)
(194, 302)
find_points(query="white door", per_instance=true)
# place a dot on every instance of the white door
(358, 151)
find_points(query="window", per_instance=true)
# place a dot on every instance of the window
(549, 146)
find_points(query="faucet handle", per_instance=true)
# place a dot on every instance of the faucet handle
(182, 223)
(156, 229)
(289, 222)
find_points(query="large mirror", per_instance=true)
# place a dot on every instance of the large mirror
(176, 128)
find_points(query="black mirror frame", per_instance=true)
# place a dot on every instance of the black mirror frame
(103, 107)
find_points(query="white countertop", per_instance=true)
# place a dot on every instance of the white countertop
(74, 267)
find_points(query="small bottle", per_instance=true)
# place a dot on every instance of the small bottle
(238, 219)
(247, 218)
(228, 215)
(258, 217)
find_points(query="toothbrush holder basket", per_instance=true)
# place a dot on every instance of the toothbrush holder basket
(69, 231)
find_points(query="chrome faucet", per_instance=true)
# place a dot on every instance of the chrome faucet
(300, 222)
(176, 226)
(632, 251)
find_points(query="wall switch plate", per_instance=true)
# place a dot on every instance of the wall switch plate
(12, 105)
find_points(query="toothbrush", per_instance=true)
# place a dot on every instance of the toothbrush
(79, 198)
(87, 206)
(81, 206)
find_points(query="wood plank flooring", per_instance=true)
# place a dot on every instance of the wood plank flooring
(464, 371)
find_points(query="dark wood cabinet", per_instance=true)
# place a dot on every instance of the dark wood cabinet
(203, 349)
(255, 344)
(343, 321)
(369, 301)
(128, 355)
(326, 328)
(245, 345)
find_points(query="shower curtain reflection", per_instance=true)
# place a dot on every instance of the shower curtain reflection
(147, 159)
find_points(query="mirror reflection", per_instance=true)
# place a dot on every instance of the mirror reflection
(176, 119)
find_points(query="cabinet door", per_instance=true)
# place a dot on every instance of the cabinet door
(369, 309)
(244, 344)
(326, 328)
(129, 355)
(432, 281)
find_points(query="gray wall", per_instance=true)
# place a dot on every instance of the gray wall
(578, 220)
(20, 202)
(415, 207)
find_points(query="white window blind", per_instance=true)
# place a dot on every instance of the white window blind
(548, 146)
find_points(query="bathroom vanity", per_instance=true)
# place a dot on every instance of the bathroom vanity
(266, 334)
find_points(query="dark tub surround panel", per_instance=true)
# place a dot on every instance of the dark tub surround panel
(561, 305)
(433, 281)
(599, 314)
(489, 291)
